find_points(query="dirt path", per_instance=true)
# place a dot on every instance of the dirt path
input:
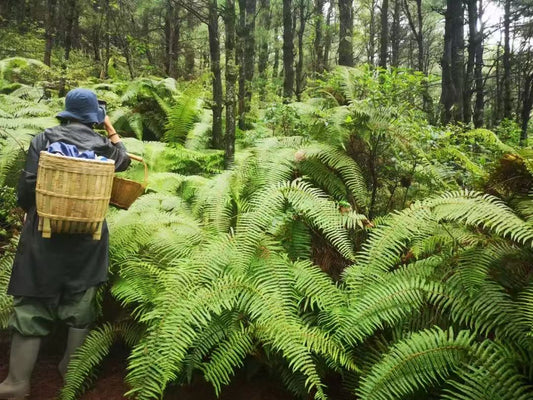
(46, 383)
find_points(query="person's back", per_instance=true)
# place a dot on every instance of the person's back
(56, 278)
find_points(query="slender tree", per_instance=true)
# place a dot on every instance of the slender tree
(328, 36)
(395, 34)
(302, 18)
(318, 45)
(506, 78)
(231, 79)
(452, 63)
(479, 106)
(216, 75)
(288, 50)
(172, 37)
(384, 39)
(49, 30)
(346, 33)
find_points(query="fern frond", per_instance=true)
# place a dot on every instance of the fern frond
(425, 359)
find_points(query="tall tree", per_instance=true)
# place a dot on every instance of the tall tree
(506, 83)
(216, 75)
(264, 39)
(300, 79)
(479, 86)
(328, 36)
(246, 31)
(72, 17)
(49, 30)
(231, 79)
(395, 34)
(172, 25)
(346, 33)
(384, 39)
(527, 105)
(288, 50)
(473, 76)
(452, 63)
(417, 28)
(318, 45)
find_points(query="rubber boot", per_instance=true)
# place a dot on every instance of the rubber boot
(75, 339)
(24, 352)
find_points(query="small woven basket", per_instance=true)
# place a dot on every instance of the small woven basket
(72, 194)
(126, 191)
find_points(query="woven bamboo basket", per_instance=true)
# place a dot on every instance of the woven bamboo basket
(126, 191)
(72, 194)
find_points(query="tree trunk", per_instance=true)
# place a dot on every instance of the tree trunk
(275, 67)
(526, 108)
(479, 106)
(384, 40)
(262, 62)
(318, 64)
(288, 51)
(241, 38)
(346, 33)
(49, 19)
(188, 48)
(217, 140)
(72, 16)
(171, 39)
(453, 64)
(371, 34)
(469, 76)
(506, 84)
(395, 35)
(247, 57)
(231, 78)
(300, 79)
(418, 29)
(328, 37)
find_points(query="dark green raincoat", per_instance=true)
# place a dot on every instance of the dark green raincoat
(64, 263)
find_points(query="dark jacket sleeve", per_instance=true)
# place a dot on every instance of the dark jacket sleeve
(115, 152)
(28, 176)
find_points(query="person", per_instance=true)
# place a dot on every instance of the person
(56, 279)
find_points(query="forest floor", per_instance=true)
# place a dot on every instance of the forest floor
(46, 381)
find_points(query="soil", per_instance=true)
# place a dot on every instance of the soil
(46, 381)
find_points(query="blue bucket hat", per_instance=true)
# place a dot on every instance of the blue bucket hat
(82, 105)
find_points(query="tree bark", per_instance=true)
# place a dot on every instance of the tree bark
(372, 34)
(247, 57)
(288, 51)
(318, 64)
(49, 30)
(479, 106)
(395, 35)
(217, 138)
(275, 67)
(327, 37)
(262, 62)
(241, 38)
(72, 16)
(469, 76)
(384, 40)
(526, 108)
(231, 78)
(453, 64)
(346, 33)
(506, 84)
(188, 48)
(171, 39)
(300, 79)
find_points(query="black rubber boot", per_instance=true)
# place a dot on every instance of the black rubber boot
(24, 351)
(76, 337)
